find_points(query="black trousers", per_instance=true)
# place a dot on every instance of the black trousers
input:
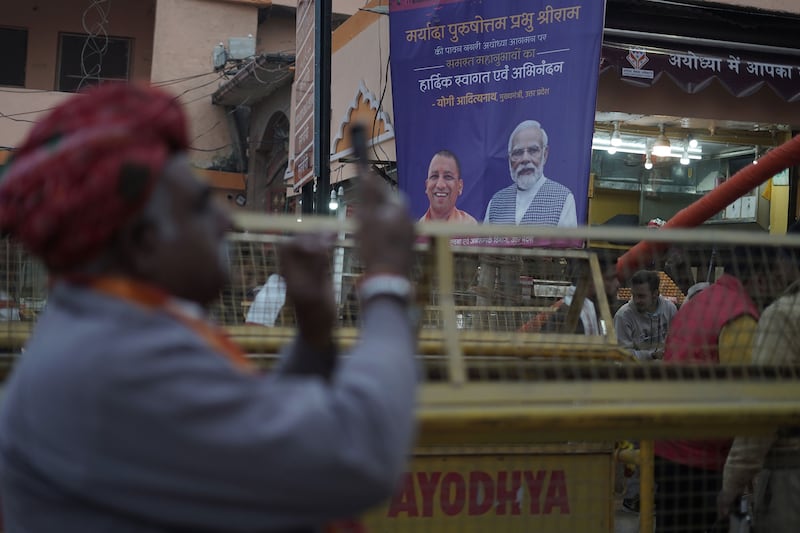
(686, 497)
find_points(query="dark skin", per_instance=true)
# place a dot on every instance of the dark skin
(165, 252)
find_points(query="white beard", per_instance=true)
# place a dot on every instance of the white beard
(526, 181)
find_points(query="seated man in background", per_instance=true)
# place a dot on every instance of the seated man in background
(129, 411)
(642, 323)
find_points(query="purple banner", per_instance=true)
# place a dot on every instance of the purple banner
(694, 69)
(494, 108)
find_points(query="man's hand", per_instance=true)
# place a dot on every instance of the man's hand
(305, 266)
(385, 230)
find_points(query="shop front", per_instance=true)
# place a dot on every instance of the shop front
(679, 114)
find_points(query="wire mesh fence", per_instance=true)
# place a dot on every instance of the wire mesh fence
(564, 389)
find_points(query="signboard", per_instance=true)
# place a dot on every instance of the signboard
(505, 88)
(509, 493)
(304, 95)
(693, 69)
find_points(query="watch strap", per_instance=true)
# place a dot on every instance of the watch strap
(385, 285)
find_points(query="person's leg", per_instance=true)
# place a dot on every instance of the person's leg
(704, 488)
(666, 478)
(685, 497)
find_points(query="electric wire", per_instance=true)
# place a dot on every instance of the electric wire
(385, 76)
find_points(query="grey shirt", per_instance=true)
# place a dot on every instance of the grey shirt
(122, 419)
(644, 333)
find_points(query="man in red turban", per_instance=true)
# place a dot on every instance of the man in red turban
(129, 411)
(87, 168)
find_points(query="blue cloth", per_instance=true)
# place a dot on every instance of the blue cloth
(121, 419)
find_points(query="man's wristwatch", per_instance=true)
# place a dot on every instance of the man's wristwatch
(385, 285)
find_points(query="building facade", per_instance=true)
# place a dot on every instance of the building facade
(54, 47)
(242, 110)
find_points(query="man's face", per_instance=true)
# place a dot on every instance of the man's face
(527, 157)
(610, 282)
(644, 299)
(443, 186)
(190, 254)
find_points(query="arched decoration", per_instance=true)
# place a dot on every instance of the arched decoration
(363, 109)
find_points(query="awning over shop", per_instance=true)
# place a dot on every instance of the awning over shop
(693, 68)
(257, 80)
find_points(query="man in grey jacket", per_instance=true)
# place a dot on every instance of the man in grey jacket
(642, 323)
(129, 411)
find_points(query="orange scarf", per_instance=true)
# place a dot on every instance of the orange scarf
(151, 297)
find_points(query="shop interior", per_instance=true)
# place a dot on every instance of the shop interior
(646, 168)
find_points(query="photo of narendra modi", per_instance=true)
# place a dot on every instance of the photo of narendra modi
(531, 198)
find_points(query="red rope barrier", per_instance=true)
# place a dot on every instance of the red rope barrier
(750, 177)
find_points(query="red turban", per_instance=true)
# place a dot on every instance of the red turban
(87, 169)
